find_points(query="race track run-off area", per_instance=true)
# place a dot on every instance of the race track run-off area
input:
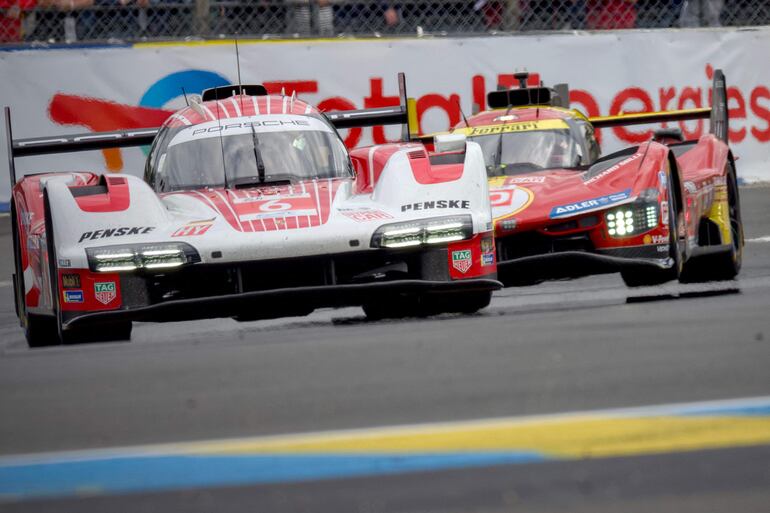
(579, 395)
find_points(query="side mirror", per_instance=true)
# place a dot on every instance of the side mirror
(444, 143)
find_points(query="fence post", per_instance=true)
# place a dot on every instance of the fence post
(202, 15)
(511, 15)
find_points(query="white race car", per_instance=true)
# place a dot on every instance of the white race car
(252, 208)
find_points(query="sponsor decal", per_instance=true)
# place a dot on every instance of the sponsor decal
(592, 178)
(193, 229)
(524, 179)
(65, 262)
(430, 205)
(487, 252)
(363, 216)
(663, 179)
(690, 187)
(525, 126)
(70, 281)
(230, 126)
(116, 232)
(73, 296)
(461, 260)
(664, 212)
(655, 239)
(591, 204)
(663, 248)
(720, 180)
(105, 292)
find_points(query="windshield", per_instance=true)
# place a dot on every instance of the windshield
(522, 152)
(251, 151)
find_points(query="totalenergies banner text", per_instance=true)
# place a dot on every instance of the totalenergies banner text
(58, 91)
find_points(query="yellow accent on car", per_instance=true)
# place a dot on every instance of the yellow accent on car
(521, 126)
(720, 213)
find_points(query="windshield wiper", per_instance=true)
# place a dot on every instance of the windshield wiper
(257, 155)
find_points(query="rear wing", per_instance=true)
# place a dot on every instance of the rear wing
(717, 113)
(404, 114)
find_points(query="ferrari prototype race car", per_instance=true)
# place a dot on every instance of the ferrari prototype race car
(664, 210)
(251, 207)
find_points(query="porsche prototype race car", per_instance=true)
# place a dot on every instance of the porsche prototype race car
(251, 207)
(663, 210)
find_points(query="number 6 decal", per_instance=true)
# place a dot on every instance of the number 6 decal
(275, 205)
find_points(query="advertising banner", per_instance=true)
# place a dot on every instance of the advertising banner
(59, 91)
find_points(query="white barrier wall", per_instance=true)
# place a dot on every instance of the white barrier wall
(59, 91)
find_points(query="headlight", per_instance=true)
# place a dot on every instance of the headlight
(141, 256)
(632, 219)
(437, 230)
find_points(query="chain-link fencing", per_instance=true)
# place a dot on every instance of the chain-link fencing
(137, 20)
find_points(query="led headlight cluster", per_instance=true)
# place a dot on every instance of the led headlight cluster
(631, 219)
(437, 230)
(158, 256)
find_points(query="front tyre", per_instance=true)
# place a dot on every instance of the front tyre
(428, 305)
(101, 332)
(39, 330)
(648, 276)
(112, 332)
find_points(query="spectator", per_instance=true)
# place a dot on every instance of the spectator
(701, 13)
(657, 13)
(611, 14)
(577, 15)
(300, 13)
(492, 11)
(11, 17)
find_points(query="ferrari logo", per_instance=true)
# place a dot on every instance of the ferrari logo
(105, 292)
(461, 260)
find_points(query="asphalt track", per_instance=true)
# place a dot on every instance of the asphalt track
(576, 346)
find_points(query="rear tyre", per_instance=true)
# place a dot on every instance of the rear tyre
(648, 276)
(726, 265)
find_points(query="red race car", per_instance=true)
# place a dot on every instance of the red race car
(664, 210)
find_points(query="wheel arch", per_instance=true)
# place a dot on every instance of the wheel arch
(676, 182)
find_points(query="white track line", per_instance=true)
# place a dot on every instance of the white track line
(760, 239)
(6, 284)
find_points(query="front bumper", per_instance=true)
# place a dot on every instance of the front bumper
(281, 302)
(575, 264)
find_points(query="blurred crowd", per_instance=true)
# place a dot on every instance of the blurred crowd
(98, 20)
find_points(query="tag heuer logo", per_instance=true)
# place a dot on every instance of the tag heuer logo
(461, 260)
(105, 292)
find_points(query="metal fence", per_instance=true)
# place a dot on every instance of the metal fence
(132, 20)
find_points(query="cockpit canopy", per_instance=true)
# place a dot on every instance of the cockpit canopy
(246, 151)
(529, 151)
(514, 145)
